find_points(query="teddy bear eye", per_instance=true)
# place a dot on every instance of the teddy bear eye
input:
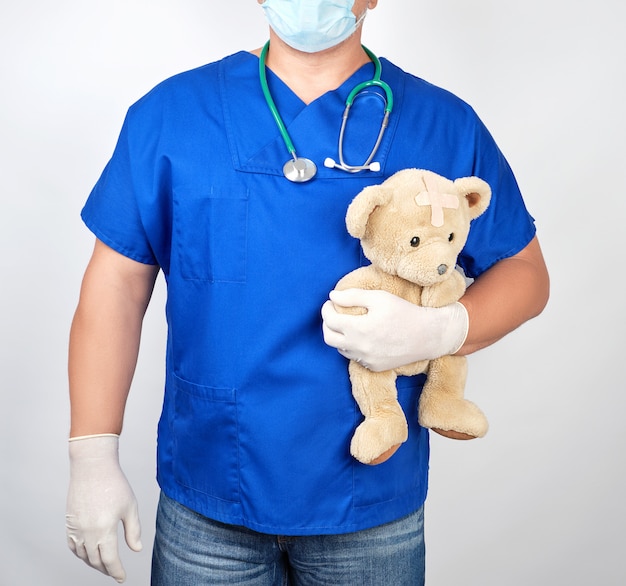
(415, 241)
(451, 237)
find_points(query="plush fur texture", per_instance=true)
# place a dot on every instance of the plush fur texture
(412, 228)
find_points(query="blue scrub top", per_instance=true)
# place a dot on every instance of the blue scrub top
(258, 412)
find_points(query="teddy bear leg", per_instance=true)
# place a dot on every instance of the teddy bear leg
(385, 427)
(443, 407)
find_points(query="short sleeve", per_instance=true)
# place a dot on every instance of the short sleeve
(112, 211)
(506, 227)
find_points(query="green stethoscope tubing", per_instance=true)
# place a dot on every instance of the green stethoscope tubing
(374, 81)
(302, 175)
(270, 101)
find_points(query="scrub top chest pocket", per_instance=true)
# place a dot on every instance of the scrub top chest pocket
(210, 229)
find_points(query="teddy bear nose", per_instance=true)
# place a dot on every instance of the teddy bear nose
(441, 269)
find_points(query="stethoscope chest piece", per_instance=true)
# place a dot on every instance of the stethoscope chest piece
(299, 169)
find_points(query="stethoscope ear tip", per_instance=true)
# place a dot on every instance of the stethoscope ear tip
(332, 164)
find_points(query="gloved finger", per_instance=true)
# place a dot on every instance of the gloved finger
(71, 543)
(329, 314)
(132, 530)
(94, 558)
(333, 338)
(353, 297)
(71, 531)
(78, 547)
(333, 320)
(110, 559)
(347, 354)
(354, 356)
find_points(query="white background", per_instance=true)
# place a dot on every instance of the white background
(540, 500)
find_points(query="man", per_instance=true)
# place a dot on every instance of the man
(258, 486)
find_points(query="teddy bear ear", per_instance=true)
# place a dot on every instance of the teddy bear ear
(476, 192)
(362, 207)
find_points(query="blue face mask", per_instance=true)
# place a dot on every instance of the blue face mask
(311, 25)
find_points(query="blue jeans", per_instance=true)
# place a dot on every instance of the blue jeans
(191, 550)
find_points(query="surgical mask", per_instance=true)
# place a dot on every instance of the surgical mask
(312, 25)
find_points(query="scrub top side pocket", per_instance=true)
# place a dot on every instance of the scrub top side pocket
(206, 440)
(211, 230)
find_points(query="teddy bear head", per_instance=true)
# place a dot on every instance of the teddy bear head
(415, 224)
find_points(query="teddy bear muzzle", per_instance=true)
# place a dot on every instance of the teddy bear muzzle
(413, 269)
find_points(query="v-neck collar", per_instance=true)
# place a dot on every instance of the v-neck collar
(256, 145)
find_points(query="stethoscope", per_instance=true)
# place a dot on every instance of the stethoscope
(301, 169)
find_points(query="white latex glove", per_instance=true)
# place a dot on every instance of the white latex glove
(393, 332)
(99, 498)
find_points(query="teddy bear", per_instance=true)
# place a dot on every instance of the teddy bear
(412, 227)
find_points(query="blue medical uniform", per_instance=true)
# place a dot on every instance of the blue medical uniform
(258, 412)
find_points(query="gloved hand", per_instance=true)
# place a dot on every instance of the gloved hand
(99, 497)
(393, 332)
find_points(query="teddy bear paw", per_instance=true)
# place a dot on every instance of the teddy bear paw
(458, 419)
(377, 439)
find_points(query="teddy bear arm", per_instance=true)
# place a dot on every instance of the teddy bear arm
(366, 277)
(361, 278)
(444, 293)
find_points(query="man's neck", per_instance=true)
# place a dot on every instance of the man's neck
(310, 75)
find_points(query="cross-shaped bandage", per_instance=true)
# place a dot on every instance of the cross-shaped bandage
(438, 201)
